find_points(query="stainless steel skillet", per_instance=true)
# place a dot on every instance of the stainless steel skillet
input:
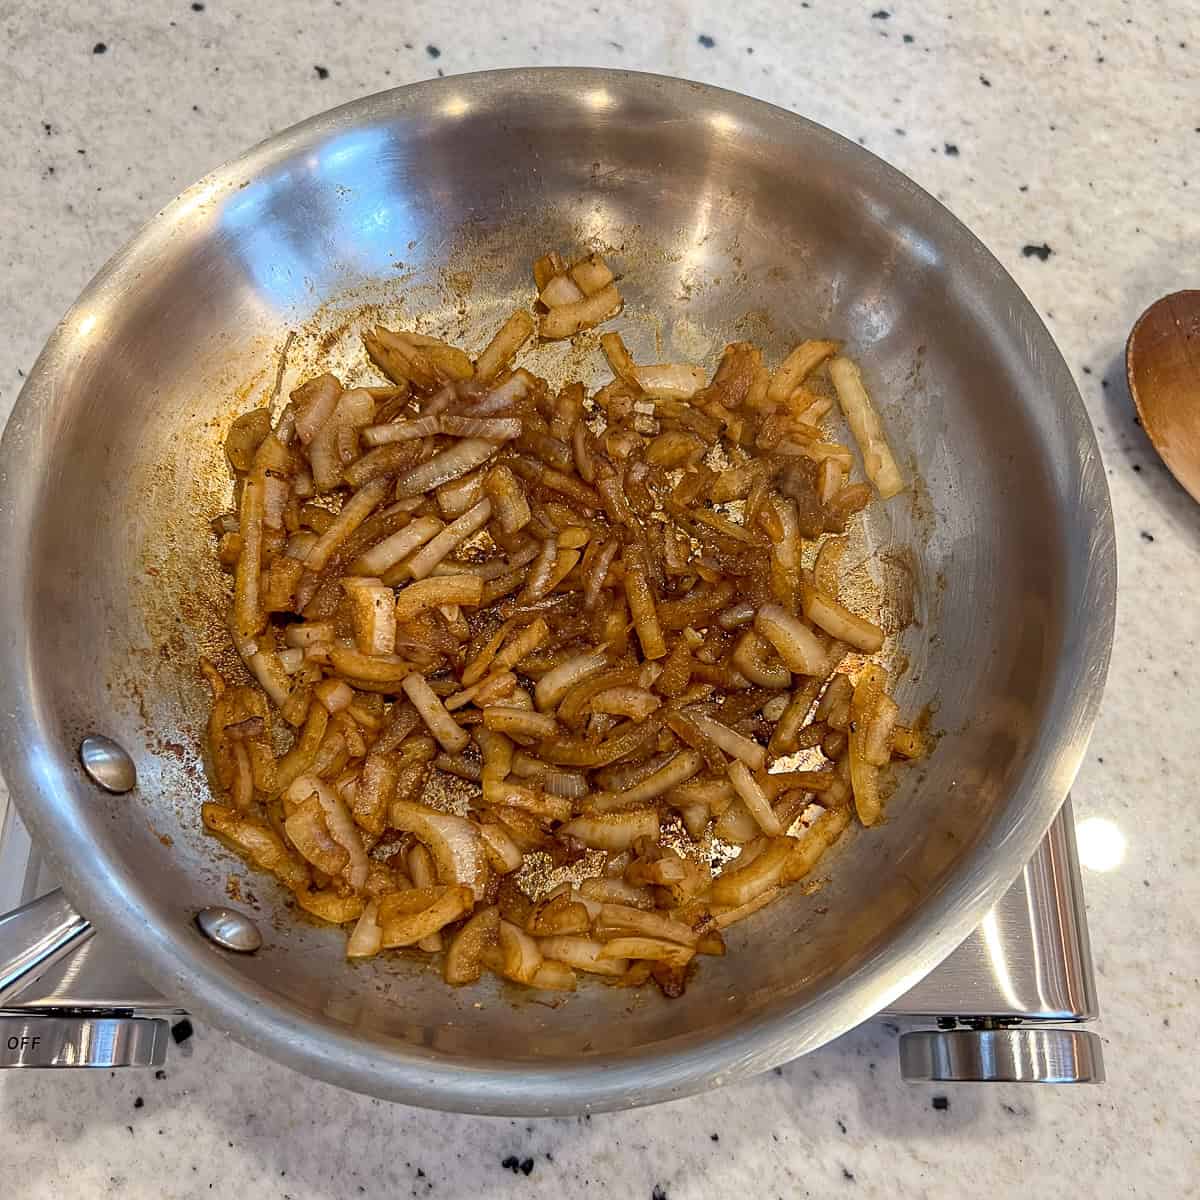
(728, 218)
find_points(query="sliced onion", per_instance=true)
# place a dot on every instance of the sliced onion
(407, 929)
(613, 831)
(569, 784)
(450, 464)
(653, 949)
(566, 320)
(502, 397)
(521, 954)
(634, 702)
(315, 406)
(271, 675)
(562, 289)
(450, 735)
(340, 824)
(299, 544)
(401, 431)
(751, 753)
(366, 938)
(741, 884)
(582, 953)
(398, 546)
(519, 722)
(652, 924)
(555, 684)
(866, 426)
(275, 499)
(493, 429)
(503, 853)
(681, 767)
(463, 957)
(291, 659)
(305, 633)
(841, 623)
(455, 843)
(504, 794)
(754, 798)
(449, 539)
(671, 381)
(801, 650)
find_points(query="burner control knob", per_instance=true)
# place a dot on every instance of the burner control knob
(41, 1039)
(1012, 1054)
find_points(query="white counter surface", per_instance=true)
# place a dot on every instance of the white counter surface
(1067, 136)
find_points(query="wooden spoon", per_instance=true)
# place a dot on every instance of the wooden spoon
(1162, 362)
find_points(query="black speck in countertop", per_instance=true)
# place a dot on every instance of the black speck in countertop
(659, 1192)
(48, 128)
(511, 1163)
(616, 45)
(160, 1074)
(985, 81)
(706, 41)
(197, 7)
(1023, 188)
(908, 39)
(941, 1103)
(130, 1128)
(1087, 370)
(526, 1166)
(714, 1137)
(1031, 251)
(841, 1125)
(1099, 58)
(950, 149)
(778, 1070)
(1147, 536)
(1137, 468)
(420, 1173)
(322, 72)
(99, 48)
(433, 51)
(139, 1102)
(181, 1031)
(847, 1175)
(881, 14)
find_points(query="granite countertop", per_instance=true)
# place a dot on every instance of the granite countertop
(1067, 136)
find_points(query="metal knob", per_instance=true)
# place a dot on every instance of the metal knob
(1025, 1054)
(41, 1040)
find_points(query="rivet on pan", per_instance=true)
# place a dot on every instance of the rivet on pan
(107, 764)
(229, 929)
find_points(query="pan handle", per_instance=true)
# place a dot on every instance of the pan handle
(34, 937)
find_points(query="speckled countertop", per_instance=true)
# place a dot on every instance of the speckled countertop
(1068, 137)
